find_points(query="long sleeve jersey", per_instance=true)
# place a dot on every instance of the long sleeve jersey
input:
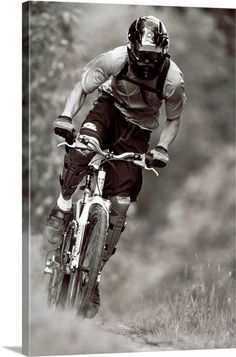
(101, 73)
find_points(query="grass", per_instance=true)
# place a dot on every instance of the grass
(195, 312)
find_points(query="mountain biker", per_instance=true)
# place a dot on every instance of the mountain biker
(132, 82)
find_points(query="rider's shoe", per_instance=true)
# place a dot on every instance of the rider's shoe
(55, 224)
(94, 303)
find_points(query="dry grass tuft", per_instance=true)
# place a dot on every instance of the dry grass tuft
(199, 314)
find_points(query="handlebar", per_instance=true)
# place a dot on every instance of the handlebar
(83, 143)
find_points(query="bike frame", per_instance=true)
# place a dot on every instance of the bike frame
(91, 197)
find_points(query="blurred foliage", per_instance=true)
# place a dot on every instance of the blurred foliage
(189, 209)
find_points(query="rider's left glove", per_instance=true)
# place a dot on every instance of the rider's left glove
(160, 156)
(63, 127)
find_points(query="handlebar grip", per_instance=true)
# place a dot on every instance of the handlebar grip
(149, 160)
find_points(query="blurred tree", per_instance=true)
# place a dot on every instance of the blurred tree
(50, 37)
(226, 23)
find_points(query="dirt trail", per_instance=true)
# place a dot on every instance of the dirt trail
(59, 332)
(139, 343)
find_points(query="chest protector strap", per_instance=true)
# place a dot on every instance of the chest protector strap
(159, 84)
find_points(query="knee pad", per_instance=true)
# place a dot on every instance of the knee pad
(119, 205)
(119, 208)
(75, 163)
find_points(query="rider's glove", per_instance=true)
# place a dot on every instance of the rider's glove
(63, 127)
(160, 156)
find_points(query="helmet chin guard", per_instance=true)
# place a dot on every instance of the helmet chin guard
(146, 69)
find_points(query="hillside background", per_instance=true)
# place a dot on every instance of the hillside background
(180, 235)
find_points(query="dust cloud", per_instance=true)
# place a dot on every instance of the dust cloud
(60, 332)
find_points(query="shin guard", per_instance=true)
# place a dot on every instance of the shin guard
(119, 208)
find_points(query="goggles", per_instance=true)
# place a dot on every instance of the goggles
(147, 56)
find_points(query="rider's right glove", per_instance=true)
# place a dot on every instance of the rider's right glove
(63, 127)
(159, 156)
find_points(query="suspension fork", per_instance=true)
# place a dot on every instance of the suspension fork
(83, 220)
(82, 211)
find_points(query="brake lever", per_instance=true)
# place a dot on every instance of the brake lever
(152, 169)
(66, 144)
(74, 145)
(84, 146)
(142, 163)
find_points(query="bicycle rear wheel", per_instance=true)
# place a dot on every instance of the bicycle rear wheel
(90, 259)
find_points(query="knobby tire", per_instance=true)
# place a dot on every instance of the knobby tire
(90, 259)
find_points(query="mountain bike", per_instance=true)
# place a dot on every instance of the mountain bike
(74, 266)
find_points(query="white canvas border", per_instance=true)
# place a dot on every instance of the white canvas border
(10, 333)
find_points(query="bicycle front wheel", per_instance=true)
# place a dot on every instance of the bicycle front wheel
(90, 259)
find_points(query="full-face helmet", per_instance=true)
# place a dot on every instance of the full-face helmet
(148, 43)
